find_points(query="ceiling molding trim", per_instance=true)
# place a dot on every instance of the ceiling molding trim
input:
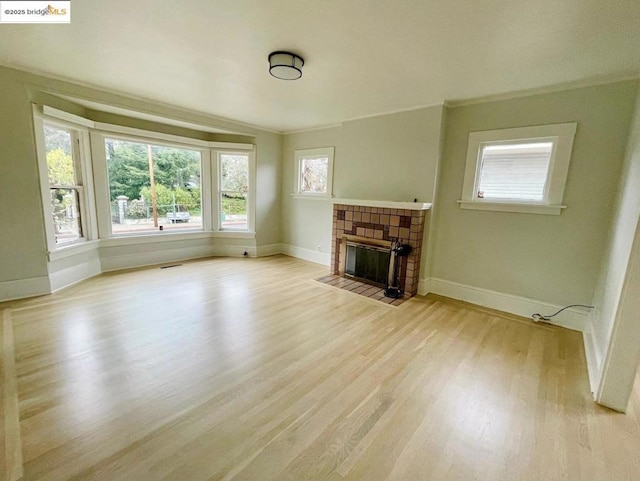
(574, 85)
(312, 129)
(379, 114)
(206, 118)
(398, 111)
(124, 95)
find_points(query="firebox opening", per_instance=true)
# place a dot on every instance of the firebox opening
(367, 263)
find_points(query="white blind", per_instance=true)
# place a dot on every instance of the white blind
(514, 171)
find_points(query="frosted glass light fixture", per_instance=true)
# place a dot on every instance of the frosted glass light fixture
(285, 65)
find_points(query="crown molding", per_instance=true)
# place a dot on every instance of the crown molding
(565, 86)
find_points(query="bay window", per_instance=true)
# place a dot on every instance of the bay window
(102, 180)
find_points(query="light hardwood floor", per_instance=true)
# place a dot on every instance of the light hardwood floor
(248, 369)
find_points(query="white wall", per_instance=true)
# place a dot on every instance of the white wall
(551, 260)
(614, 338)
(389, 157)
(24, 266)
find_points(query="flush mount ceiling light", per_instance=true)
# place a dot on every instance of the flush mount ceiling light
(285, 65)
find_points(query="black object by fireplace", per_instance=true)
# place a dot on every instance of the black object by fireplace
(393, 289)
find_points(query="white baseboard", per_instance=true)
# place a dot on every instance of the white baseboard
(307, 254)
(423, 288)
(22, 288)
(138, 259)
(142, 259)
(74, 274)
(573, 318)
(269, 250)
(233, 251)
(593, 361)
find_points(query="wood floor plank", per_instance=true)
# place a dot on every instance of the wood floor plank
(248, 369)
(10, 439)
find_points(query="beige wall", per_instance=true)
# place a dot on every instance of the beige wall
(307, 223)
(554, 259)
(618, 313)
(390, 157)
(268, 177)
(22, 239)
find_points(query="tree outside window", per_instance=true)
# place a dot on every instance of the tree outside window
(171, 201)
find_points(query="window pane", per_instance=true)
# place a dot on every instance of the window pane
(173, 203)
(234, 210)
(59, 156)
(177, 178)
(235, 172)
(514, 171)
(234, 188)
(66, 215)
(313, 175)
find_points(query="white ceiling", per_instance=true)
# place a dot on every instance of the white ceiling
(362, 57)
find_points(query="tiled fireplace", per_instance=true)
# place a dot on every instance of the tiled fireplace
(376, 225)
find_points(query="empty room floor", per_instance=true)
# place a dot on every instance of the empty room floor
(249, 369)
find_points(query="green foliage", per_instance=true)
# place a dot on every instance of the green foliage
(60, 166)
(186, 199)
(176, 167)
(234, 204)
(128, 168)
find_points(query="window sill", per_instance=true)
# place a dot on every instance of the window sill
(234, 234)
(72, 250)
(152, 237)
(522, 208)
(312, 196)
(172, 237)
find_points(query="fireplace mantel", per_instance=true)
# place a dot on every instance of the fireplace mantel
(384, 203)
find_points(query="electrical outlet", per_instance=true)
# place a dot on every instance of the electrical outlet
(319, 248)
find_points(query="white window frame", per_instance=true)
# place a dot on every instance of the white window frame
(251, 200)
(83, 172)
(102, 182)
(320, 152)
(561, 135)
